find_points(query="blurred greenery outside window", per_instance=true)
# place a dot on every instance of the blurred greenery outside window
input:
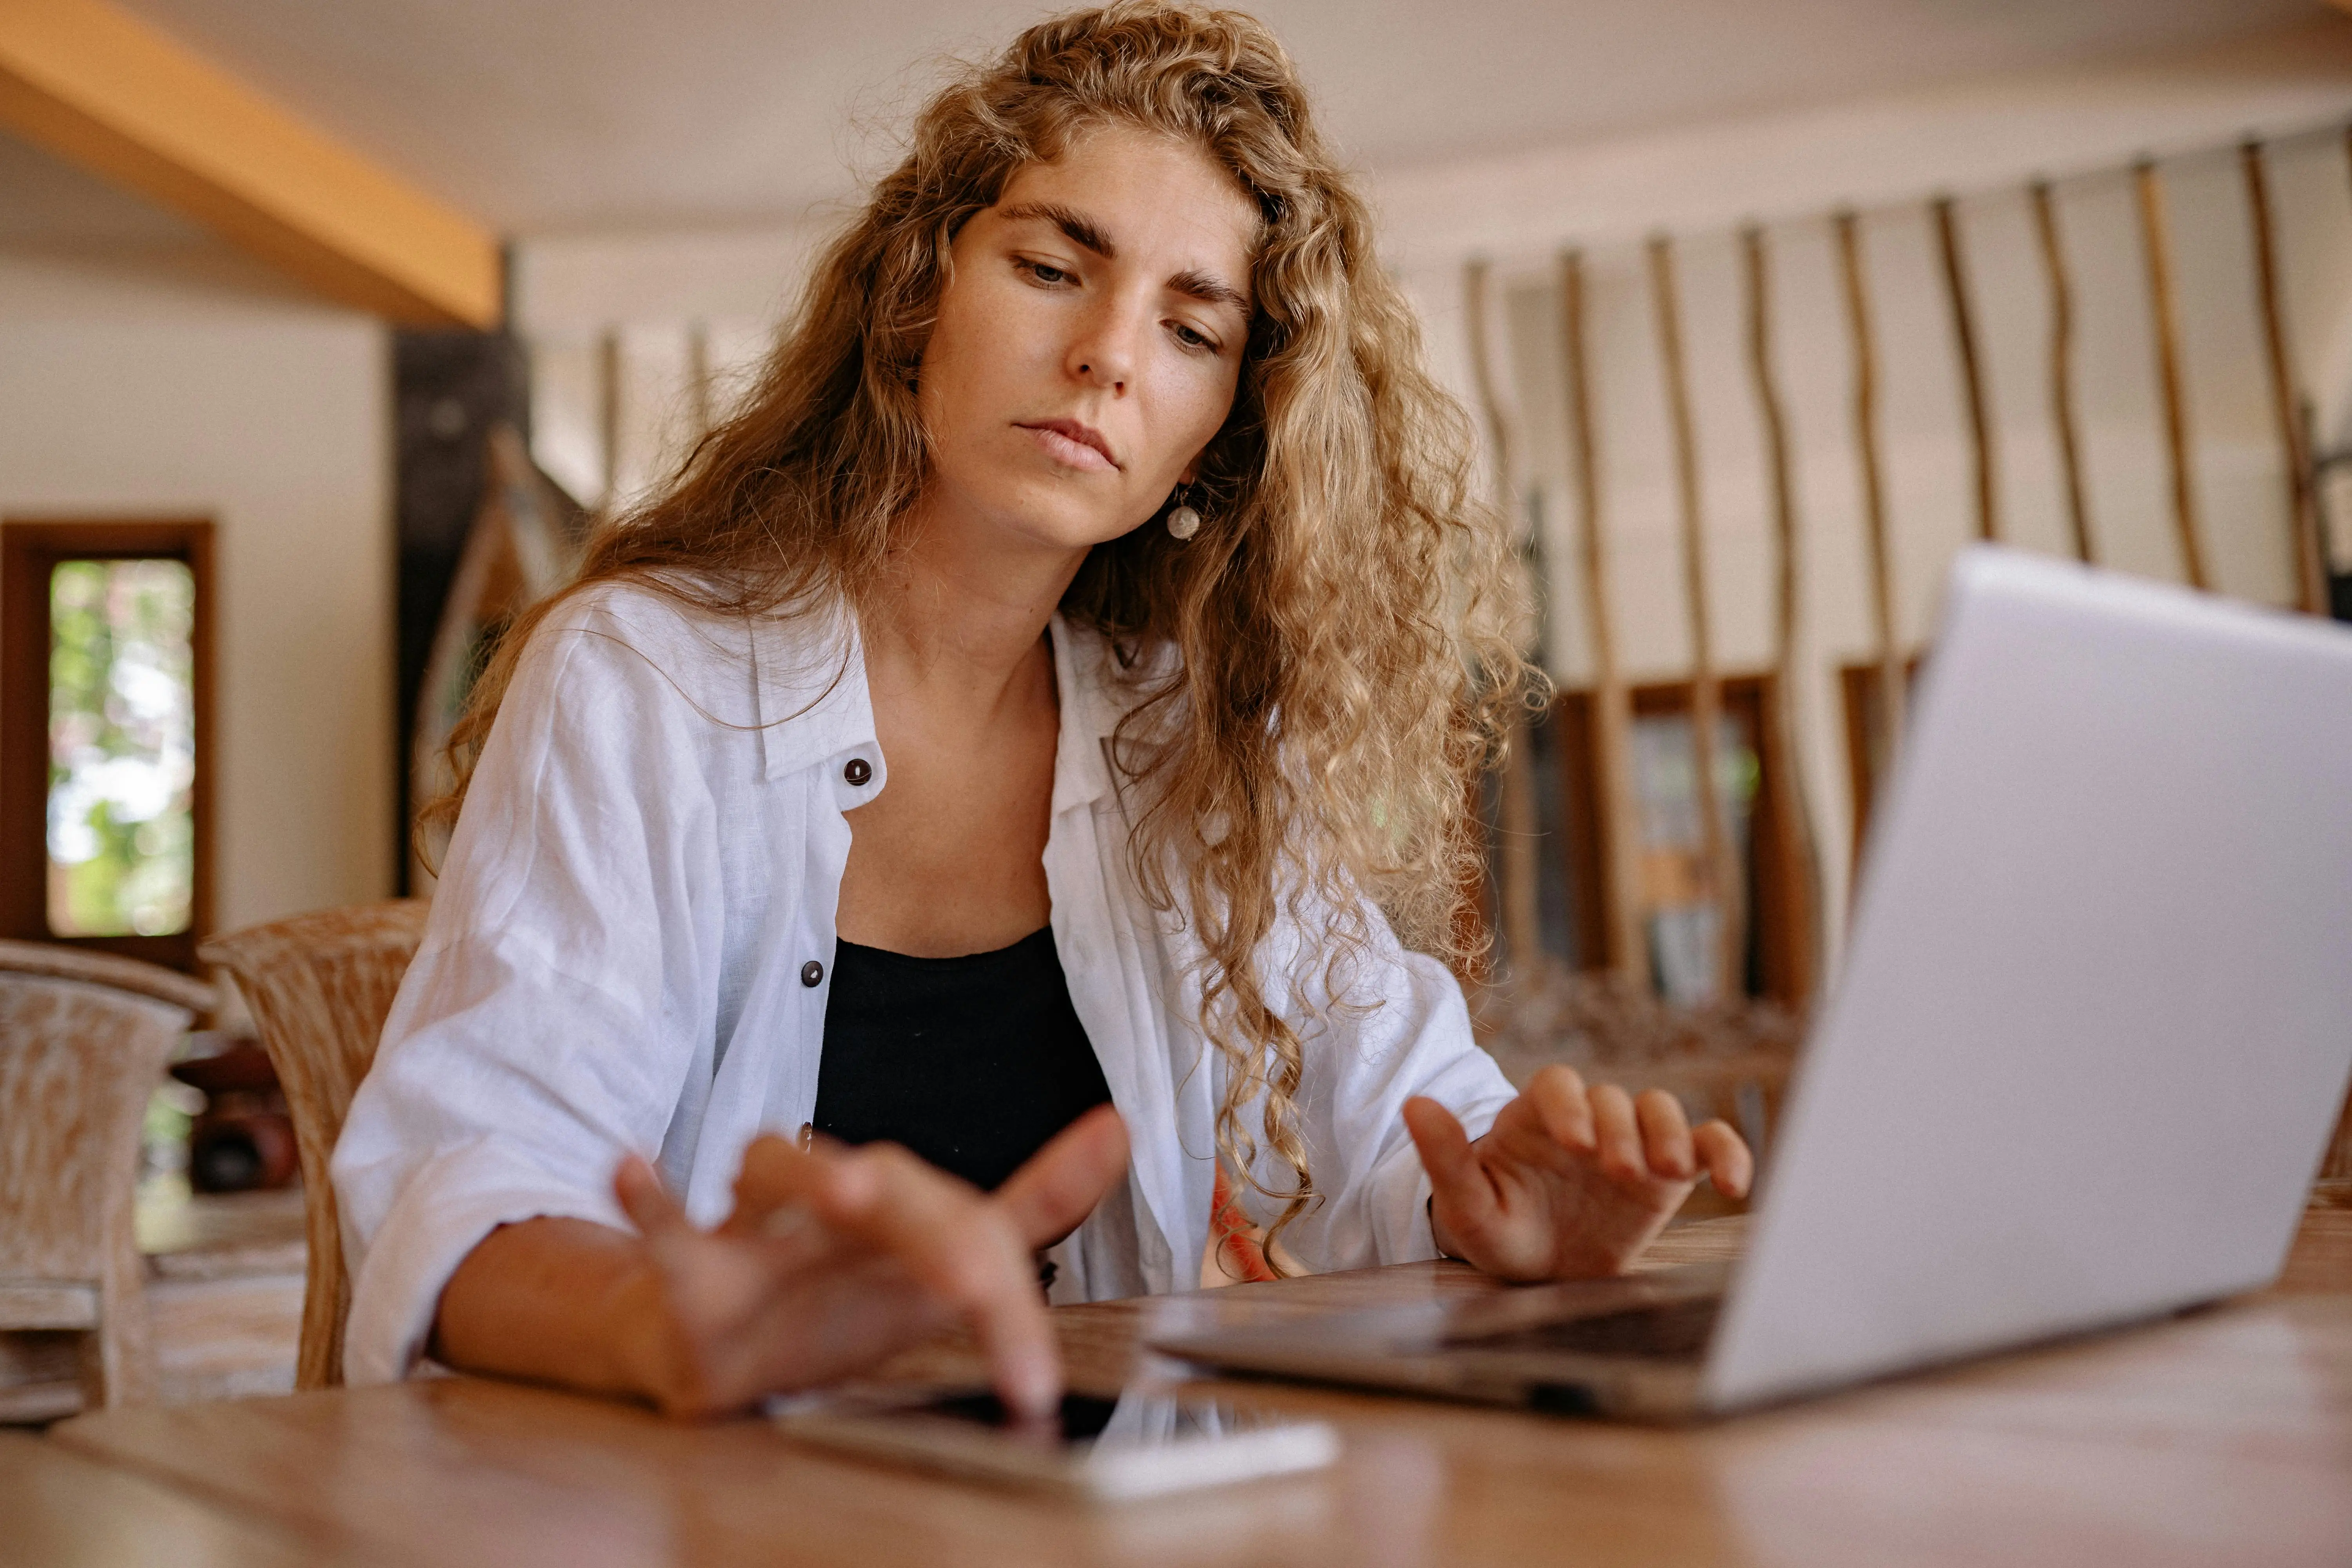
(121, 825)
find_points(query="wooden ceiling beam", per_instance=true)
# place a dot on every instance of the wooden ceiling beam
(106, 92)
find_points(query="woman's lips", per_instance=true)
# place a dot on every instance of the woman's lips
(1067, 443)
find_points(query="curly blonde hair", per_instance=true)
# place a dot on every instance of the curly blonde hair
(1343, 667)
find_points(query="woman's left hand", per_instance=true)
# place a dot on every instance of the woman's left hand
(1571, 1182)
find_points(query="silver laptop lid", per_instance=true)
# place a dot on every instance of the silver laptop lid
(2095, 1018)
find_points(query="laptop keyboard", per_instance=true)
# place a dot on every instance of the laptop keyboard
(1671, 1331)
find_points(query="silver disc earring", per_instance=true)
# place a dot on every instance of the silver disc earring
(1184, 522)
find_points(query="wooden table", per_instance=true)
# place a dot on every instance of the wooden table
(2222, 1436)
(60, 1510)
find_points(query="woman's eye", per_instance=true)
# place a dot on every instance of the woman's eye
(1193, 340)
(1044, 272)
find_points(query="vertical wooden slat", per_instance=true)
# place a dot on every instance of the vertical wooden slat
(698, 377)
(1964, 337)
(1726, 886)
(1618, 815)
(1792, 812)
(2164, 320)
(1889, 695)
(2061, 367)
(1517, 905)
(2303, 516)
(608, 414)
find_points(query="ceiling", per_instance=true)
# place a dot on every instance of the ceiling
(549, 116)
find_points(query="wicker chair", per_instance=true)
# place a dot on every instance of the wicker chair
(83, 1039)
(319, 986)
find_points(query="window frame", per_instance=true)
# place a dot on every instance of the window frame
(30, 550)
(1780, 931)
(1858, 708)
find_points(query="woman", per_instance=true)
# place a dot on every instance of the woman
(1055, 686)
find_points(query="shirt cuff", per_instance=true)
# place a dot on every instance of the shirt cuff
(1400, 1208)
(443, 1214)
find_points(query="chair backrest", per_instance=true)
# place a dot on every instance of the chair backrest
(129, 975)
(78, 1064)
(319, 986)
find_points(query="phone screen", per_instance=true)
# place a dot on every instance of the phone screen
(1082, 1417)
(1145, 1442)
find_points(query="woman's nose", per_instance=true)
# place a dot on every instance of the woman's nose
(1103, 352)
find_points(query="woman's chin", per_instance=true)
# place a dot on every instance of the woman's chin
(1052, 527)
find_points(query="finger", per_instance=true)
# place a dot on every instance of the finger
(1726, 1157)
(1558, 1094)
(1455, 1176)
(776, 1175)
(646, 1200)
(961, 1249)
(1666, 1135)
(1616, 1135)
(1054, 1190)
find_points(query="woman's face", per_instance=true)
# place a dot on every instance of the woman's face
(1088, 340)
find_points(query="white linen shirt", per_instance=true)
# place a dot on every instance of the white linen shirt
(632, 945)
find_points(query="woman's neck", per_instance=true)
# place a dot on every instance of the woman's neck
(961, 620)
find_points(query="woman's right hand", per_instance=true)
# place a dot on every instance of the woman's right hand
(835, 1258)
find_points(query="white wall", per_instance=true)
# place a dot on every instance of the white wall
(192, 383)
(655, 296)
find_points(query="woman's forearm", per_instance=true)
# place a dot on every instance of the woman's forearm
(555, 1301)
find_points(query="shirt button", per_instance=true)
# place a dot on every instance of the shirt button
(857, 771)
(811, 972)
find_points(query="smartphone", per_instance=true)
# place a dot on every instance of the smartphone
(1098, 1451)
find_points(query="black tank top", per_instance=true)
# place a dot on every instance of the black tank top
(972, 1062)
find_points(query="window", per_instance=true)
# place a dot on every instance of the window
(1677, 920)
(1565, 893)
(105, 708)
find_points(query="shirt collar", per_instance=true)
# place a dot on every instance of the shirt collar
(1081, 764)
(808, 684)
(814, 705)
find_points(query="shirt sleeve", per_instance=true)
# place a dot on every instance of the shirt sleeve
(1382, 1025)
(565, 986)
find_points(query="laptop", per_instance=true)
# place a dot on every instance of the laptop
(2092, 1034)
